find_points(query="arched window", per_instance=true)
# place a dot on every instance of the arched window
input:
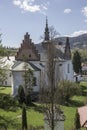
(68, 68)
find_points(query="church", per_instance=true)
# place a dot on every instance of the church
(36, 55)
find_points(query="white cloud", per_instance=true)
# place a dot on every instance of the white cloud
(84, 11)
(77, 33)
(17, 2)
(67, 11)
(31, 6)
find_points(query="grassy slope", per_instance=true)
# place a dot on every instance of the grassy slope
(35, 117)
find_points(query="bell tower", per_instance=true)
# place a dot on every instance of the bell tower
(46, 33)
(67, 53)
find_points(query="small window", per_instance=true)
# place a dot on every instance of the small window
(34, 81)
(5, 82)
(68, 69)
(10, 75)
(60, 64)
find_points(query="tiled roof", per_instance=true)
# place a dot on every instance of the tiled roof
(58, 51)
(83, 116)
(19, 66)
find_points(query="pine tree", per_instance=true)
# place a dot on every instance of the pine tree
(77, 62)
(21, 94)
(77, 121)
(28, 83)
(24, 118)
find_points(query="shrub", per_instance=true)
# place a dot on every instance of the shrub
(21, 94)
(67, 89)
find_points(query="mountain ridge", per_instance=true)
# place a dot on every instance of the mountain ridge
(75, 42)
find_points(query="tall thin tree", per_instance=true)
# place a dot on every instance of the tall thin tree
(51, 108)
(24, 118)
(77, 62)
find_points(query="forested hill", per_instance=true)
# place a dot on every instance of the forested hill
(75, 42)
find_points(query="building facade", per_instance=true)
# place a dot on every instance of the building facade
(35, 56)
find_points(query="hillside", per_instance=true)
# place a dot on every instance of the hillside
(75, 42)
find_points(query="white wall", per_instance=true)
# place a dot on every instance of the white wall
(63, 70)
(17, 78)
(68, 75)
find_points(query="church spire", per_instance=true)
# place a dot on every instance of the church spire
(67, 53)
(46, 33)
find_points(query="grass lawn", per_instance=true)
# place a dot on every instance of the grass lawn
(5, 90)
(11, 115)
(10, 112)
(83, 84)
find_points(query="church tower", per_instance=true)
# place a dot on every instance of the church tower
(67, 53)
(46, 33)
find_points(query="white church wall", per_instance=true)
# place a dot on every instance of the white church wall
(36, 88)
(65, 70)
(68, 70)
(17, 78)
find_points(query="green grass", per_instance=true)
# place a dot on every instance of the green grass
(12, 114)
(83, 84)
(5, 90)
(79, 98)
(69, 113)
(35, 118)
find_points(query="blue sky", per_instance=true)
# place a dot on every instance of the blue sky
(69, 17)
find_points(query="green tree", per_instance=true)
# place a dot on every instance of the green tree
(3, 74)
(77, 121)
(21, 94)
(66, 89)
(28, 82)
(3, 51)
(77, 62)
(48, 91)
(24, 118)
(83, 53)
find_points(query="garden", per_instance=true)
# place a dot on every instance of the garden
(11, 110)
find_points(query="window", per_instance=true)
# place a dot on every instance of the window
(34, 81)
(10, 75)
(60, 64)
(5, 82)
(68, 69)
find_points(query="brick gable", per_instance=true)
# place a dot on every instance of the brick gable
(27, 50)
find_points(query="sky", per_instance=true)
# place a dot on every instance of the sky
(69, 17)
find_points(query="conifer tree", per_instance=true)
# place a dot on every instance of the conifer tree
(77, 62)
(21, 94)
(77, 121)
(24, 118)
(28, 83)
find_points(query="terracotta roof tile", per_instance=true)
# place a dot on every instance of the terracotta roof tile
(83, 116)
